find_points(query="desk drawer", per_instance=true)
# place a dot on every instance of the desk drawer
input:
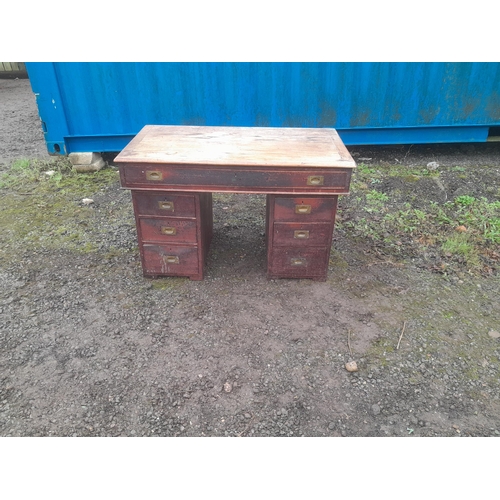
(168, 230)
(236, 179)
(295, 209)
(298, 263)
(164, 204)
(295, 234)
(171, 260)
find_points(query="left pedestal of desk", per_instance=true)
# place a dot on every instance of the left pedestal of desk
(174, 231)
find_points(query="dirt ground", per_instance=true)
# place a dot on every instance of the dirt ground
(88, 347)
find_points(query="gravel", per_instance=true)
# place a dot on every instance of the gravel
(88, 347)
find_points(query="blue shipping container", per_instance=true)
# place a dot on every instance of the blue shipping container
(100, 107)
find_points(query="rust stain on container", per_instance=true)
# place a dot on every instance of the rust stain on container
(327, 116)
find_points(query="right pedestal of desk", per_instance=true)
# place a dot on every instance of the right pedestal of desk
(299, 232)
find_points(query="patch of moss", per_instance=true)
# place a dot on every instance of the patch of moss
(167, 283)
(44, 212)
(410, 178)
(222, 197)
(337, 262)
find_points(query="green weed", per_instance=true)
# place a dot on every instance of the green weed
(461, 245)
(365, 169)
(465, 200)
(376, 196)
(457, 244)
(462, 230)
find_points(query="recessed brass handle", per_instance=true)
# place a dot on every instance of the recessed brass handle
(315, 180)
(170, 231)
(166, 205)
(301, 235)
(298, 261)
(302, 209)
(154, 175)
(171, 259)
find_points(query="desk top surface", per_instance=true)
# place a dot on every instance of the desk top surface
(245, 146)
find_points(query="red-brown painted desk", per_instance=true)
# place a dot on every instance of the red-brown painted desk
(173, 170)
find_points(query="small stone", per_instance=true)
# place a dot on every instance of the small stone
(87, 201)
(432, 165)
(50, 173)
(228, 387)
(351, 366)
(83, 158)
(247, 415)
(461, 229)
(86, 162)
(331, 426)
(376, 409)
(494, 334)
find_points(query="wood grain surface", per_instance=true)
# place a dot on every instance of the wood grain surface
(244, 146)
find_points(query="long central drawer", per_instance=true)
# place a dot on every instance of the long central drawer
(245, 180)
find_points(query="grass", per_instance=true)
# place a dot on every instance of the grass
(41, 211)
(462, 245)
(24, 172)
(373, 175)
(53, 176)
(375, 201)
(376, 197)
(464, 230)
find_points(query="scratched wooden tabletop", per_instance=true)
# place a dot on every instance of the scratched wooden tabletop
(246, 146)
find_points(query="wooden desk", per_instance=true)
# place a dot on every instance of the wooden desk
(173, 170)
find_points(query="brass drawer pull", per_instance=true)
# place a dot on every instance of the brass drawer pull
(170, 231)
(166, 205)
(298, 261)
(315, 180)
(171, 259)
(301, 235)
(302, 209)
(154, 175)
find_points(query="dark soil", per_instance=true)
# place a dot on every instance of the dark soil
(88, 347)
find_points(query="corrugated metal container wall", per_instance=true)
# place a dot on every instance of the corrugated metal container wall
(101, 106)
